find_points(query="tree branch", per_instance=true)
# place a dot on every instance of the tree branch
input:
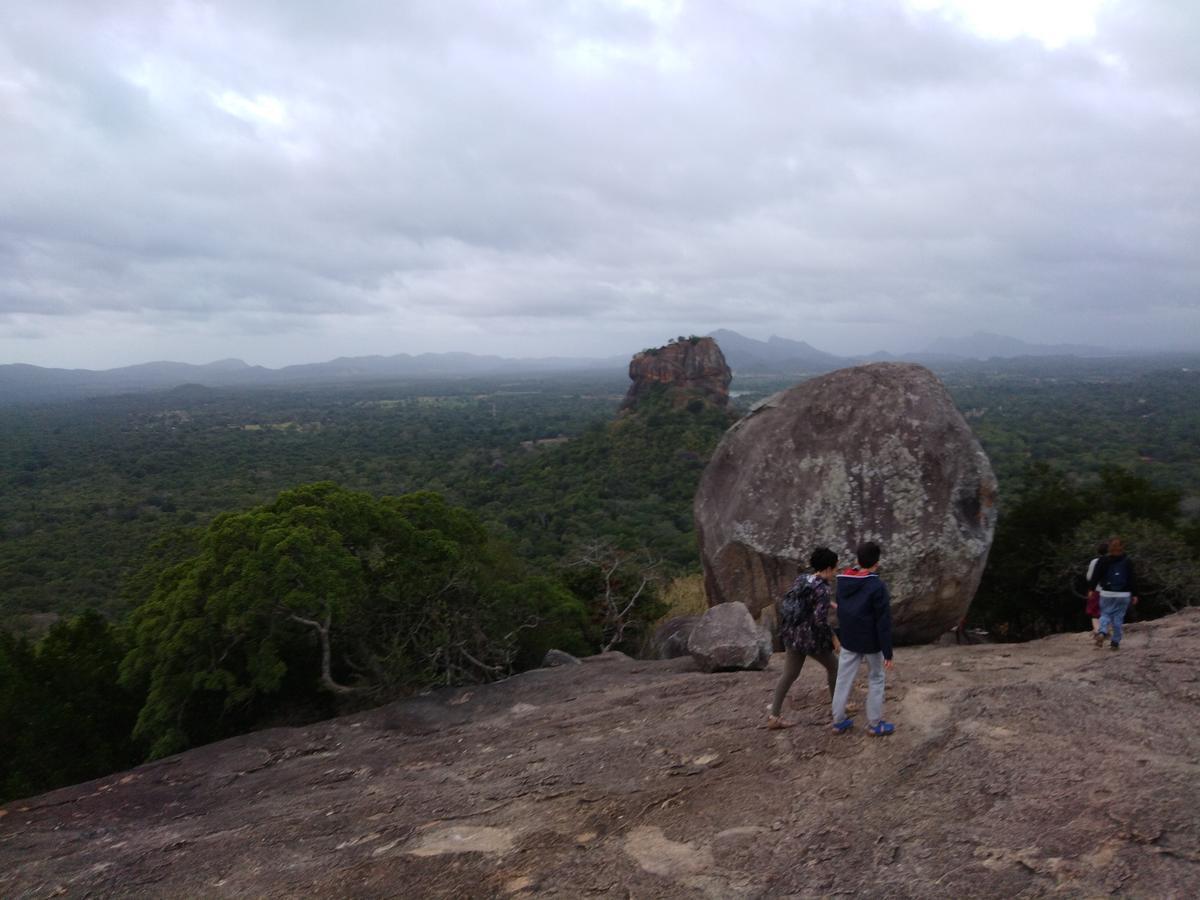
(322, 629)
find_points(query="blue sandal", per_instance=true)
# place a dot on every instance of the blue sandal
(843, 726)
(881, 729)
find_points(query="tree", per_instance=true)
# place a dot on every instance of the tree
(1046, 535)
(1028, 532)
(1163, 561)
(66, 718)
(326, 593)
(622, 587)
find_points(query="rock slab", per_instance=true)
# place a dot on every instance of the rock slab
(727, 637)
(876, 452)
(651, 779)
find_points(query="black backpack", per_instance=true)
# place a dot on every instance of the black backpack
(797, 604)
(1116, 576)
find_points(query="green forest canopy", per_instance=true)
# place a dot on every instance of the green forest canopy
(263, 557)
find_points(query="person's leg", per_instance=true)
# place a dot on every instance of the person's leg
(1120, 607)
(847, 668)
(829, 661)
(1095, 625)
(791, 669)
(1106, 612)
(875, 685)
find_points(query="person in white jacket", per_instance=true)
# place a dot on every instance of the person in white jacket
(1093, 597)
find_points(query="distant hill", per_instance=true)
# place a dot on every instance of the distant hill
(985, 345)
(778, 355)
(775, 354)
(20, 383)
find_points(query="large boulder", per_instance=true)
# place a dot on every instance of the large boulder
(688, 369)
(876, 452)
(727, 637)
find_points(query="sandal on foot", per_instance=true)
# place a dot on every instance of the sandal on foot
(843, 726)
(775, 723)
(1099, 637)
(881, 729)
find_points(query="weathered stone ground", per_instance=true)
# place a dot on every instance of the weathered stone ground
(1032, 770)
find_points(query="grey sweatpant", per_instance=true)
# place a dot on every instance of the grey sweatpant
(847, 669)
(791, 671)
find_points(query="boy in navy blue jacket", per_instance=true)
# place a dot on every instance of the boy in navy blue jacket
(865, 618)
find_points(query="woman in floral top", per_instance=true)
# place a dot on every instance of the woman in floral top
(804, 628)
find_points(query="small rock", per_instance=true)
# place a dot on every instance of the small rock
(608, 656)
(670, 639)
(559, 658)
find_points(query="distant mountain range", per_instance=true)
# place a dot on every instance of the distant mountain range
(775, 354)
(21, 383)
(783, 356)
(984, 345)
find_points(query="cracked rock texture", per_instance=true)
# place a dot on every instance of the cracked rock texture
(1049, 769)
(876, 452)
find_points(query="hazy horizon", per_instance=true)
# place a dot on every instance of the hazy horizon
(288, 182)
(621, 357)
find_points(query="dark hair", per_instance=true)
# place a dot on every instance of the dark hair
(868, 554)
(1115, 546)
(822, 558)
(1102, 550)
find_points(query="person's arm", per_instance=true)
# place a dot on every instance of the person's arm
(882, 603)
(1098, 573)
(821, 615)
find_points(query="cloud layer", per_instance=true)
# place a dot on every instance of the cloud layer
(297, 180)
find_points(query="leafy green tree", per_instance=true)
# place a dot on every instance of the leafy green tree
(329, 593)
(1030, 529)
(1164, 563)
(66, 717)
(1049, 531)
(621, 588)
(1123, 493)
(20, 698)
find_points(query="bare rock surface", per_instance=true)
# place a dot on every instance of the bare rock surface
(1049, 769)
(727, 637)
(876, 452)
(690, 368)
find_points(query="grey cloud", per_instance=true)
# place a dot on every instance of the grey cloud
(795, 165)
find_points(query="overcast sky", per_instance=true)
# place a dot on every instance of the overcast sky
(296, 180)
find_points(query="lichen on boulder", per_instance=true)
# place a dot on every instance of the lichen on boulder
(876, 452)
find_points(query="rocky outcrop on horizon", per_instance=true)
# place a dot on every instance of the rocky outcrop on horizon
(1027, 770)
(876, 452)
(689, 368)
